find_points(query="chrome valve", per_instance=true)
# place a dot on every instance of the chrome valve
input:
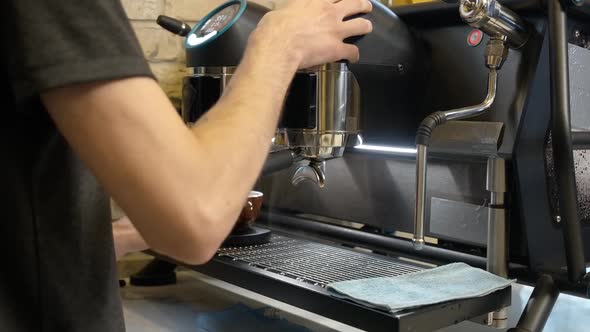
(495, 20)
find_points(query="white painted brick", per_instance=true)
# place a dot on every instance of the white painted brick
(194, 10)
(157, 43)
(143, 9)
(190, 10)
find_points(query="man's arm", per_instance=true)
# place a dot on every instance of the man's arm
(183, 189)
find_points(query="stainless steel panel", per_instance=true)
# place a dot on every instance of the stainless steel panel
(467, 138)
(459, 221)
(579, 69)
(378, 190)
(580, 87)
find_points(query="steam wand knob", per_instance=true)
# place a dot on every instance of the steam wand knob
(496, 21)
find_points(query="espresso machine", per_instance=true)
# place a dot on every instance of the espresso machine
(322, 112)
(379, 168)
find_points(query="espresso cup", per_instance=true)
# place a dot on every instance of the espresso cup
(250, 212)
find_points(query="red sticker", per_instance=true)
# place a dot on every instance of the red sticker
(474, 38)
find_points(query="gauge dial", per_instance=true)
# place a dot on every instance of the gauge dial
(214, 25)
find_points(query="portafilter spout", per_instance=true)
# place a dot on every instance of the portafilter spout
(314, 170)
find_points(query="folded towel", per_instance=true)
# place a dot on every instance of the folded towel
(441, 284)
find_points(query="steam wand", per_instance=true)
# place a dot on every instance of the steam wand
(507, 30)
(496, 53)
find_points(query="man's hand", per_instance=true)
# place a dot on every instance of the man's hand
(311, 32)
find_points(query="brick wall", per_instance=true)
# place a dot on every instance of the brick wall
(163, 50)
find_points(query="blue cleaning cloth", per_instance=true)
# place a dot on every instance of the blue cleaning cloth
(441, 284)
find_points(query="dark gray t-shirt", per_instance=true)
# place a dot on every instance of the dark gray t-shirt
(58, 269)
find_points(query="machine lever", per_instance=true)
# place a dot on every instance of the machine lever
(173, 25)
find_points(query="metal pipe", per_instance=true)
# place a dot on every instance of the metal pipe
(379, 242)
(497, 243)
(497, 232)
(471, 111)
(420, 208)
(562, 142)
(497, 254)
(310, 228)
(539, 306)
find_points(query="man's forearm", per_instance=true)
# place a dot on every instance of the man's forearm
(244, 119)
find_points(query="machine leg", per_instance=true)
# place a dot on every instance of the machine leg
(497, 243)
(539, 306)
(562, 142)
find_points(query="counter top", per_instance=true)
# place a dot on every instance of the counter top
(201, 303)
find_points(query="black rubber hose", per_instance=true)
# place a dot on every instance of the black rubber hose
(424, 132)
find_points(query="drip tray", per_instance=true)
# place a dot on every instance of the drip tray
(296, 271)
(314, 263)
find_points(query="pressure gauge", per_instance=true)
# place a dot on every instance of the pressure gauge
(215, 23)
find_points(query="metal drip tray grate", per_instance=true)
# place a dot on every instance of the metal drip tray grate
(314, 263)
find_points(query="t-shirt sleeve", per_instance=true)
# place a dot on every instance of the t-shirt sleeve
(55, 43)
